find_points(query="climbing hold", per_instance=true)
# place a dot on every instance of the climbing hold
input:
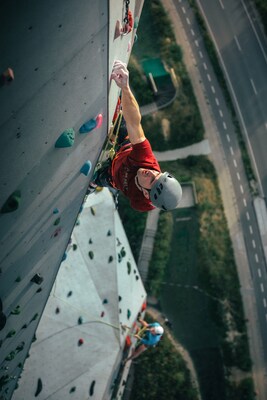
(39, 387)
(20, 347)
(34, 317)
(24, 326)
(77, 222)
(129, 46)
(57, 221)
(12, 203)
(80, 342)
(81, 208)
(92, 387)
(143, 306)
(74, 247)
(120, 311)
(39, 290)
(118, 29)
(11, 333)
(16, 311)
(135, 38)
(123, 252)
(38, 279)
(110, 259)
(72, 390)
(18, 279)
(128, 342)
(102, 314)
(120, 298)
(34, 338)
(128, 313)
(137, 277)
(70, 293)
(99, 120)
(105, 301)
(86, 168)
(92, 210)
(90, 241)
(57, 232)
(88, 126)
(136, 22)
(80, 320)
(109, 233)
(10, 356)
(91, 254)
(119, 257)
(7, 77)
(55, 211)
(129, 267)
(66, 139)
(64, 257)
(57, 310)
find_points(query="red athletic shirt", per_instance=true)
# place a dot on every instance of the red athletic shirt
(124, 169)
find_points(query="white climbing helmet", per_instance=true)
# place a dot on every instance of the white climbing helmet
(159, 330)
(166, 193)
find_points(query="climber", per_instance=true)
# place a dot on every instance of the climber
(135, 170)
(153, 334)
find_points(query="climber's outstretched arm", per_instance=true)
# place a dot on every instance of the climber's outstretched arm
(130, 107)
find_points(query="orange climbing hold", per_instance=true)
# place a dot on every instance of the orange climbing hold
(128, 342)
(143, 306)
(99, 120)
(7, 76)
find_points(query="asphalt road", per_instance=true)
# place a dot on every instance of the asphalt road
(227, 133)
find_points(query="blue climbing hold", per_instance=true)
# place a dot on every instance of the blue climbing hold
(88, 126)
(86, 168)
(64, 257)
(55, 211)
(66, 139)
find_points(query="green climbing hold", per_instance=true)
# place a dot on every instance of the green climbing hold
(72, 390)
(18, 279)
(16, 311)
(91, 254)
(74, 247)
(80, 320)
(110, 259)
(57, 221)
(92, 210)
(123, 252)
(10, 356)
(39, 387)
(12, 203)
(34, 317)
(129, 267)
(66, 139)
(11, 333)
(128, 313)
(136, 22)
(109, 233)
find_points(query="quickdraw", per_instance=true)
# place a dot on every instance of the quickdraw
(128, 20)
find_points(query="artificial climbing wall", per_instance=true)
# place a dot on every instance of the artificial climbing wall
(56, 106)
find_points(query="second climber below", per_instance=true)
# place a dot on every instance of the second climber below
(134, 170)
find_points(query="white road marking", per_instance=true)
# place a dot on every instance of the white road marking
(183, 9)
(205, 66)
(196, 43)
(242, 191)
(221, 3)
(221, 113)
(209, 78)
(232, 151)
(245, 202)
(262, 287)
(238, 176)
(250, 230)
(259, 273)
(217, 101)
(213, 89)
(253, 244)
(193, 33)
(235, 163)
(224, 125)
(237, 43)
(253, 85)
(188, 21)
(228, 138)
(247, 215)
(264, 303)
(256, 257)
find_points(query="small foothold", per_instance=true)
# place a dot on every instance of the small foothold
(92, 210)
(120, 298)
(81, 208)
(11, 333)
(16, 311)
(102, 314)
(80, 342)
(72, 390)
(24, 326)
(64, 257)
(129, 267)
(18, 279)
(86, 168)
(57, 221)
(128, 313)
(135, 38)
(77, 222)
(129, 47)
(92, 387)
(119, 258)
(105, 301)
(57, 232)
(123, 252)
(120, 311)
(109, 233)
(70, 293)
(110, 259)
(38, 279)
(12, 203)
(74, 247)
(80, 320)
(137, 277)
(7, 77)
(55, 211)
(10, 356)
(90, 241)
(99, 120)
(88, 126)
(66, 139)
(34, 317)
(57, 310)
(136, 22)
(39, 387)
(39, 290)
(118, 29)
(91, 254)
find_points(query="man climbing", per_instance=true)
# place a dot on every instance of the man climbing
(135, 170)
(153, 334)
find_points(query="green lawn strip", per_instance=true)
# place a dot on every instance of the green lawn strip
(161, 373)
(156, 39)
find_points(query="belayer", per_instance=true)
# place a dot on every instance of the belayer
(134, 170)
